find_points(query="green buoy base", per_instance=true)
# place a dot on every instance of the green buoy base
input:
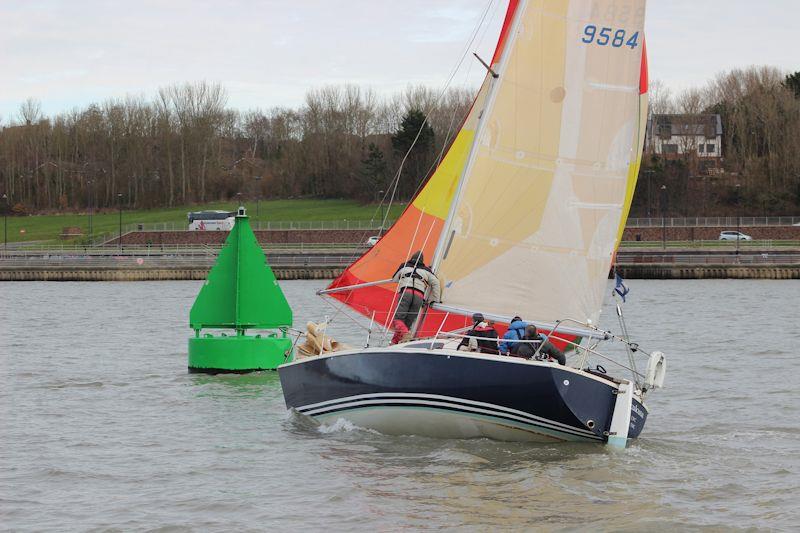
(238, 354)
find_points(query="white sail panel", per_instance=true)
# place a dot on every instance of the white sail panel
(536, 220)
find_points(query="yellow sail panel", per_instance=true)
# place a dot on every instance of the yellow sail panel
(633, 174)
(537, 217)
(437, 195)
(644, 82)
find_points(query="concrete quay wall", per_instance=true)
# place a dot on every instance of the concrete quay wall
(708, 271)
(147, 274)
(630, 271)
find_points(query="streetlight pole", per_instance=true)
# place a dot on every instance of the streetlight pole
(89, 206)
(119, 202)
(258, 192)
(5, 222)
(378, 195)
(663, 220)
(738, 218)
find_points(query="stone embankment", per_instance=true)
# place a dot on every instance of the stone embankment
(61, 273)
(652, 271)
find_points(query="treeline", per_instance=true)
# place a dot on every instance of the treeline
(186, 146)
(760, 170)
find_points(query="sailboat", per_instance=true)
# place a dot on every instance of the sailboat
(522, 217)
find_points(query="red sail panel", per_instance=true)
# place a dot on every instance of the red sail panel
(644, 80)
(512, 8)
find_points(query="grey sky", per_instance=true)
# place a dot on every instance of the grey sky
(69, 53)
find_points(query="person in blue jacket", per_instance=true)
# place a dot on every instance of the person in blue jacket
(516, 330)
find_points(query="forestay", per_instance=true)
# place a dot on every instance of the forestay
(418, 228)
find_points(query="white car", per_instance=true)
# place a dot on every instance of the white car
(734, 236)
(372, 241)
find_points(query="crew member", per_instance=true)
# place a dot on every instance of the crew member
(544, 347)
(487, 343)
(516, 330)
(413, 281)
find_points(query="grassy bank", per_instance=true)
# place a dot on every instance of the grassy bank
(49, 227)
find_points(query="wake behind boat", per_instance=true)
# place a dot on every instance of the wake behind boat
(522, 217)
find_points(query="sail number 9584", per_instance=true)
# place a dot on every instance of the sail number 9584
(606, 36)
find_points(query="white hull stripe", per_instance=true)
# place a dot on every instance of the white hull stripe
(440, 397)
(499, 420)
(446, 402)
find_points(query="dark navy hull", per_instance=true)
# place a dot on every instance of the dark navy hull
(450, 394)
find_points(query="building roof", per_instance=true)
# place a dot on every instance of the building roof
(696, 125)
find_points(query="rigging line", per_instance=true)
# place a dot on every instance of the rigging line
(433, 109)
(491, 97)
(343, 312)
(390, 314)
(450, 128)
(416, 263)
(341, 308)
(421, 316)
(396, 180)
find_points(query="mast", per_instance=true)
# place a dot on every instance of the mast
(447, 232)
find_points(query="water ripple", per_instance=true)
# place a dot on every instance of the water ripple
(107, 430)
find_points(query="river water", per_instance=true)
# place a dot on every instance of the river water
(101, 427)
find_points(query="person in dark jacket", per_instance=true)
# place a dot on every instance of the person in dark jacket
(516, 330)
(488, 341)
(528, 349)
(415, 282)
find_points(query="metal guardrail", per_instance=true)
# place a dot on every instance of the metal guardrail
(712, 222)
(266, 225)
(299, 247)
(670, 222)
(760, 244)
(178, 249)
(161, 261)
(708, 259)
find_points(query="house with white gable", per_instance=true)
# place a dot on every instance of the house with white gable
(682, 136)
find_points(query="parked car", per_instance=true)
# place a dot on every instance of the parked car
(734, 236)
(372, 241)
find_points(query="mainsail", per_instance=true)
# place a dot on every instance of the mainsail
(526, 210)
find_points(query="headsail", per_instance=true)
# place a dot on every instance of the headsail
(528, 205)
(546, 190)
(419, 227)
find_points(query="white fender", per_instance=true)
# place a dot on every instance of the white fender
(656, 370)
(621, 419)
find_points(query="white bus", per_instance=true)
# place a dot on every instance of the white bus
(211, 220)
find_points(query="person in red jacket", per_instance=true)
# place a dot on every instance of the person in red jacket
(487, 343)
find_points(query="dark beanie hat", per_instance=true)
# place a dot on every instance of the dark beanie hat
(477, 317)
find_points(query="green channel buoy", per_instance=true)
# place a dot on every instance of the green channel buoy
(240, 294)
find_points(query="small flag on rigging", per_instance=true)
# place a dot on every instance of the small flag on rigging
(620, 287)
